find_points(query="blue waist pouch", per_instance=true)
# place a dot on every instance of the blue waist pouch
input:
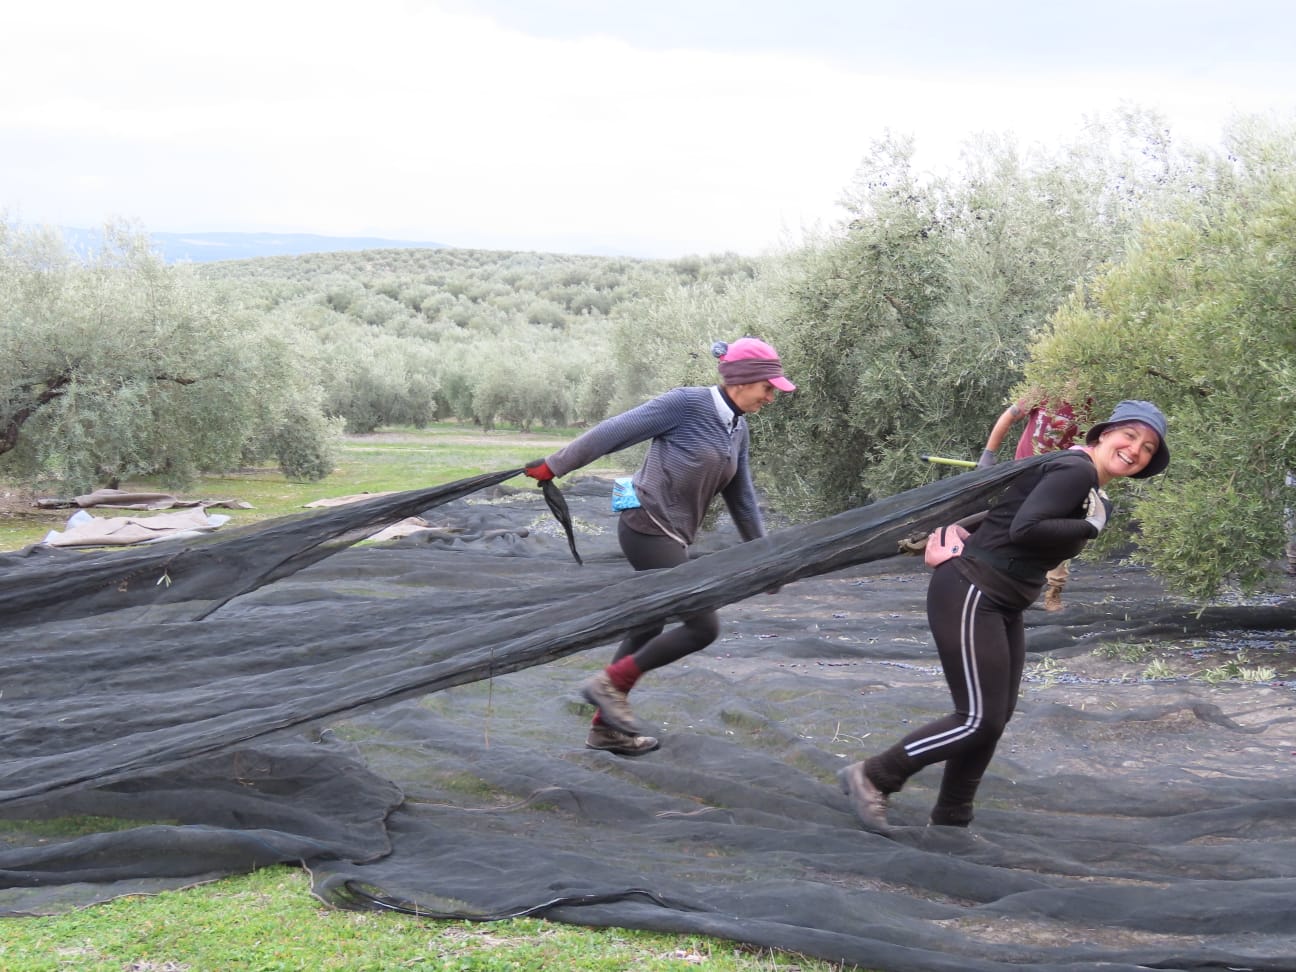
(623, 494)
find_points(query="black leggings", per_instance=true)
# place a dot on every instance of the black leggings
(650, 646)
(982, 648)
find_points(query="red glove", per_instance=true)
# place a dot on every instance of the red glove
(539, 471)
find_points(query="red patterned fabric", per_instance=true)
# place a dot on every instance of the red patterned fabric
(1052, 425)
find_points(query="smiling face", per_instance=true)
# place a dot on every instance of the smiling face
(1123, 450)
(751, 397)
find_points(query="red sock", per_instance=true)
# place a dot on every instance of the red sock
(624, 673)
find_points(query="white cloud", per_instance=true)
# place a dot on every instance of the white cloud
(408, 120)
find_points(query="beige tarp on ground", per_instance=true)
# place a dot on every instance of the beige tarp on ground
(407, 526)
(191, 517)
(345, 500)
(136, 500)
(90, 531)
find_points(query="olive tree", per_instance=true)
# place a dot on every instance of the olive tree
(911, 327)
(372, 380)
(529, 378)
(117, 366)
(1199, 318)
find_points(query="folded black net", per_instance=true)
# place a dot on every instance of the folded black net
(403, 720)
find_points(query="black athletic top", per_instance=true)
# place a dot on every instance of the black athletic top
(1039, 523)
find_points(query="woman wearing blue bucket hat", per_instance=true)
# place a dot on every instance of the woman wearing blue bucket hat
(975, 603)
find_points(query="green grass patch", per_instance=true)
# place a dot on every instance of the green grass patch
(1127, 651)
(73, 826)
(269, 922)
(391, 460)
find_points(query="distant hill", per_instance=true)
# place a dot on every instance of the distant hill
(211, 247)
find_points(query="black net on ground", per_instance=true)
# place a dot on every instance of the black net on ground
(403, 719)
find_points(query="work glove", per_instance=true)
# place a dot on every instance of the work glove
(987, 459)
(1097, 509)
(912, 545)
(539, 471)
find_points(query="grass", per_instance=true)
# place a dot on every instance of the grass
(268, 921)
(1178, 661)
(1126, 651)
(392, 460)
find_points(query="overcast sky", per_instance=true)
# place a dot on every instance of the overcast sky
(651, 128)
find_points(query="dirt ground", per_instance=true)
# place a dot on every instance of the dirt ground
(17, 502)
(18, 510)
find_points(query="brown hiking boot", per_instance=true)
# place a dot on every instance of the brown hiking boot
(868, 802)
(622, 743)
(614, 708)
(1053, 598)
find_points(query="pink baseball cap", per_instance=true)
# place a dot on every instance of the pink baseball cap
(749, 360)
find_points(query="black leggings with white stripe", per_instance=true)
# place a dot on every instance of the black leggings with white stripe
(982, 648)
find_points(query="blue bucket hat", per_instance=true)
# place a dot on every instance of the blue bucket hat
(1149, 415)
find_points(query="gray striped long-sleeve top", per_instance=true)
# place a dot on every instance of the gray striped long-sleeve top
(698, 450)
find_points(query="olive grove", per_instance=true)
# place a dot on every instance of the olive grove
(409, 337)
(119, 366)
(1122, 264)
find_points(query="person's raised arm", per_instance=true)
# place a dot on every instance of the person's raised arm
(1012, 414)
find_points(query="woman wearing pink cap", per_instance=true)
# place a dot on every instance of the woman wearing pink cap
(698, 450)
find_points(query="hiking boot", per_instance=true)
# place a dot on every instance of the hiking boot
(868, 802)
(614, 708)
(622, 743)
(1053, 598)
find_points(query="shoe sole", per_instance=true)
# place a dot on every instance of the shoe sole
(623, 751)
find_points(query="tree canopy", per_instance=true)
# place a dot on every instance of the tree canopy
(912, 326)
(1200, 317)
(1122, 264)
(1127, 269)
(120, 366)
(413, 336)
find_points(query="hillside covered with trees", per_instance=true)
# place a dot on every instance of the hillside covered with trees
(411, 336)
(1122, 263)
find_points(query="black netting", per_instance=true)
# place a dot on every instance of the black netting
(404, 719)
